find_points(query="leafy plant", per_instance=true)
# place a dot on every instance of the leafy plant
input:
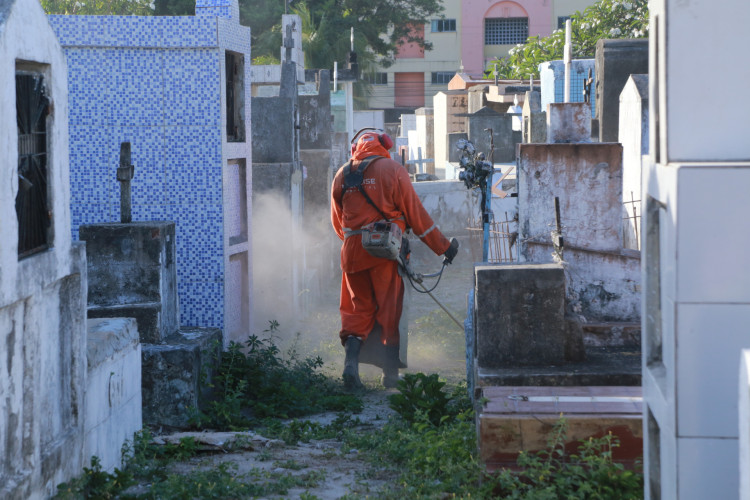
(604, 19)
(95, 483)
(253, 381)
(589, 474)
(422, 395)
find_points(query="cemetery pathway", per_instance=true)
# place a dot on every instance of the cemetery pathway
(335, 472)
(435, 345)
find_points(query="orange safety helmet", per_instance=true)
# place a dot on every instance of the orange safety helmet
(385, 139)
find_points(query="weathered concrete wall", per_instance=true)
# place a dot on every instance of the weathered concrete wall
(43, 296)
(113, 388)
(601, 286)
(588, 180)
(568, 122)
(633, 135)
(616, 60)
(132, 273)
(603, 279)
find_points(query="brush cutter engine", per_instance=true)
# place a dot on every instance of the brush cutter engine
(382, 239)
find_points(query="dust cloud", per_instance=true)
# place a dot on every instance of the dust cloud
(296, 281)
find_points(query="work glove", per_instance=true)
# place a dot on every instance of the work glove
(450, 254)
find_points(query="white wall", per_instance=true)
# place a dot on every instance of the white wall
(42, 297)
(696, 293)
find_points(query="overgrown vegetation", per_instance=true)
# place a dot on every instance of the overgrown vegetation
(432, 449)
(253, 381)
(149, 476)
(428, 450)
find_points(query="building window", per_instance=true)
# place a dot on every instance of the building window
(561, 22)
(32, 200)
(376, 78)
(506, 30)
(235, 76)
(442, 77)
(443, 25)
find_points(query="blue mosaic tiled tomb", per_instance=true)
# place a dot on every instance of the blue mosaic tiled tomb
(162, 84)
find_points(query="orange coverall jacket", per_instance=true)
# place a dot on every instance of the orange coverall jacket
(371, 288)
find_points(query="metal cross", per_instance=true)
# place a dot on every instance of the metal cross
(125, 173)
(587, 88)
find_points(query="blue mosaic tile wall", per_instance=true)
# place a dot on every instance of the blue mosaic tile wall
(156, 82)
(552, 75)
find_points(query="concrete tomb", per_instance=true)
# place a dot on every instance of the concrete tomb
(552, 76)
(132, 272)
(695, 246)
(534, 120)
(448, 110)
(504, 138)
(587, 179)
(63, 396)
(277, 181)
(616, 60)
(633, 135)
(178, 89)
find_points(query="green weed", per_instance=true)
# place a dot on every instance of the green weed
(253, 381)
(95, 483)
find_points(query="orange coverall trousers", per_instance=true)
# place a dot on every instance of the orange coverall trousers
(369, 296)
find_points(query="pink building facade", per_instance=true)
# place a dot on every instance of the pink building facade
(509, 15)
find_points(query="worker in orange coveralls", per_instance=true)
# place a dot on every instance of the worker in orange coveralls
(372, 290)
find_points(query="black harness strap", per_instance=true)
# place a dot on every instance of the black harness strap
(356, 178)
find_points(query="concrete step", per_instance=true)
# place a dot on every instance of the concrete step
(603, 366)
(516, 419)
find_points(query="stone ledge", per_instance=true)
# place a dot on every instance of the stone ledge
(108, 336)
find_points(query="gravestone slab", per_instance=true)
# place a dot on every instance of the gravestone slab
(519, 315)
(132, 273)
(616, 60)
(534, 119)
(502, 133)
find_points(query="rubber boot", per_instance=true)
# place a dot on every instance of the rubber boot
(390, 367)
(351, 364)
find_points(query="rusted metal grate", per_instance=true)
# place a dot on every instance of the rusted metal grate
(32, 205)
(502, 247)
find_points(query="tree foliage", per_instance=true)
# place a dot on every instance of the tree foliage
(99, 7)
(605, 19)
(380, 27)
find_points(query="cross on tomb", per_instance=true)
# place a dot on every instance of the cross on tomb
(420, 162)
(125, 173)
(587, 88)
(289, 41)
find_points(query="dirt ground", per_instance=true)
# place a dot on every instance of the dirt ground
(436, 344)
